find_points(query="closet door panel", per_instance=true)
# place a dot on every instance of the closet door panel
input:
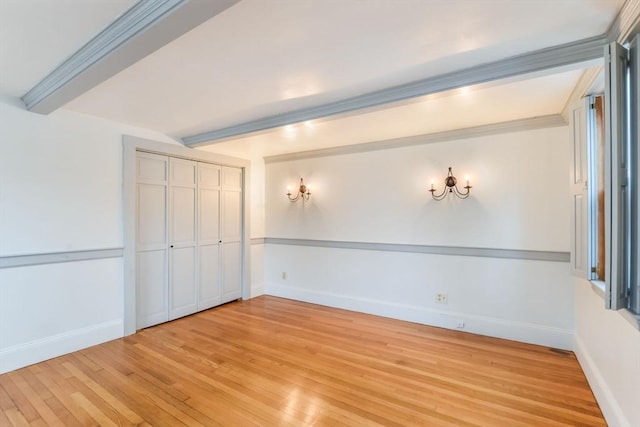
(183, 216)
(182, 283)
(231, 227)
(151, 240)
(151, 167)
(151, 289)
(232, 216)
(209, 203)
(183, 172)
(231, 271)
(208, 175)
(209, 294)
(209, 230)
(152, 216)
(209, 291)
(232, 178)
(183, 247)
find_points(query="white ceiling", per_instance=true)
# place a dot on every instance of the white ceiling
(265, 57)
(37, 35)
(455, 109)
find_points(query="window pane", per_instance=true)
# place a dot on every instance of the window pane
(599, 145)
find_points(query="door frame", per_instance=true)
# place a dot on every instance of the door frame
(131, 145)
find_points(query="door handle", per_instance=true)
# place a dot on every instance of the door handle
(171, 246)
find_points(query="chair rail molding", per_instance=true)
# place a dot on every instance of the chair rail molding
(13, 261)
(522, 254)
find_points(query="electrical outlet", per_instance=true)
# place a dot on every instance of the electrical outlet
(284, 275)
(441, 298)
(460, 324)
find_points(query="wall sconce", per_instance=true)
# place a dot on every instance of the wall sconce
(450, 187)
(304, 192)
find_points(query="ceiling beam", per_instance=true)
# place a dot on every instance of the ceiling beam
(145, 27)
(627, 22)
(553, 57)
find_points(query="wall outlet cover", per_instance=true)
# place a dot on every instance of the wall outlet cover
(441, 298)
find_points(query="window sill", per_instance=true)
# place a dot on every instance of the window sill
(598, 287)
(634, 319)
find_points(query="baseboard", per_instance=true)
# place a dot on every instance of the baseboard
(21, 355)
(483, 325)
(612, 412)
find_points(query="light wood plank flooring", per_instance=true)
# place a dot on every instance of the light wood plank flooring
(272, 361)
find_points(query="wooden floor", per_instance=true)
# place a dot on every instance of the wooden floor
(271, 361)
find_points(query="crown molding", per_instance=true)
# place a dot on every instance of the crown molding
(141, 30)
(553, 120)
(553, 57)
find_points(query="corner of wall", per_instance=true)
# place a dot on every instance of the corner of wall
(613, 413)
(607, 347)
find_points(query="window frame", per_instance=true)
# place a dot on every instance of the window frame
(596, 148)
(621, 286)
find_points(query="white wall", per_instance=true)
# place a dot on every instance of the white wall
(519, 201)
(61, 186)
(53, 309)
(60, 190)
(608, 348)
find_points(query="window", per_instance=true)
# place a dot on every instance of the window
(596, 186)
(605, 180)
(621, 176)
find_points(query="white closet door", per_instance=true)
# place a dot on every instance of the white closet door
(209, 239)
(151, 240)
(231, 225)
(182, 231)
(189, 242)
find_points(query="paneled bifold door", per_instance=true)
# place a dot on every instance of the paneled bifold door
(189, 232)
